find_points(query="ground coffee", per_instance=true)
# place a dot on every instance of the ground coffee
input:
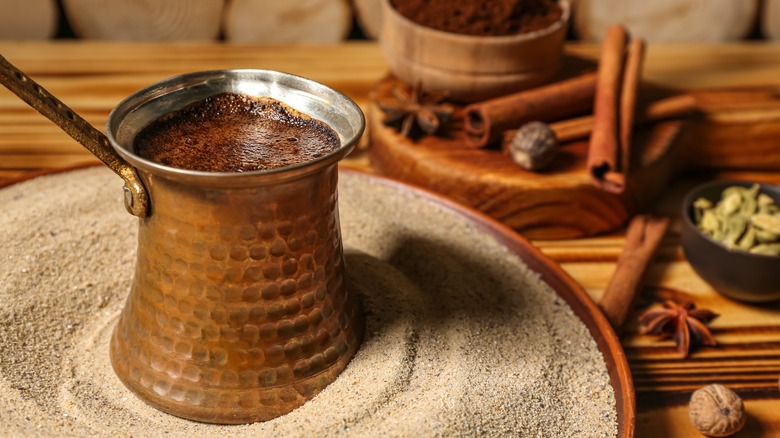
(483, 18)
(235, 133)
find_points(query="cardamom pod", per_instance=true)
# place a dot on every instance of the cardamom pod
(731, 191)
(751, 192)
(748, 239)
(699, 206)
(765, 200)
(704, 203)
(767, 222)
(748, 207)
(730, 203)
(763, 236)
(735, 227)
(709, 222)
(770, 249)
(768, 209)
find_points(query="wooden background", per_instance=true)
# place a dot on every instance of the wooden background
(328, 21)
(93, 77)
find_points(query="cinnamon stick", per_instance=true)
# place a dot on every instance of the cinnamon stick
(580, 128)
(628, 98)
(604, 143)
(643, 236)
(486, 121)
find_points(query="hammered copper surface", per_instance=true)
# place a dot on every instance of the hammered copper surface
(238, 312)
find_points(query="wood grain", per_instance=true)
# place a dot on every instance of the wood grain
(770, 19)
(668, 20)
(272, 21)
(368, 14)
(142, 20)
(94, 76)
(28, 20)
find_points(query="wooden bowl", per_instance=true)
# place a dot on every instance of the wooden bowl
(470, 68)
(736, 274)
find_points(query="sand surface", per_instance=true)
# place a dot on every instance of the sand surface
(461, 338)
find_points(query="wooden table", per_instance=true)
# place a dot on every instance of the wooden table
(93, 77)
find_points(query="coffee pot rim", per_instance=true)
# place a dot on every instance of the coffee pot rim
(312, 98)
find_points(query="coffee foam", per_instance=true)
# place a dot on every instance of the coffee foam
(235, 133)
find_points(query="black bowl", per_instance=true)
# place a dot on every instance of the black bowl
(734, 273)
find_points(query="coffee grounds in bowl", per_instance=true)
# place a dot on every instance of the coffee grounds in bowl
(482, 18)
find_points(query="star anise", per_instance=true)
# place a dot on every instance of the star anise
(683, 321)
(407, 107)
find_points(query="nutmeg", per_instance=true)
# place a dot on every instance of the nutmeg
(533, 146)
(717, 411)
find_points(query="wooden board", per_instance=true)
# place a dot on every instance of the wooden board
(562, 201)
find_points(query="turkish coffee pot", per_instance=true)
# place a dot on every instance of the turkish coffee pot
(238, 310)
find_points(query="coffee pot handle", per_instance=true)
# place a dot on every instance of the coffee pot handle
(136, 197)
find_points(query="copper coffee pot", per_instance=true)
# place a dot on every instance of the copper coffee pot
(239, 310)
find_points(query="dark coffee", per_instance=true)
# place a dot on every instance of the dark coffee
(235, 133)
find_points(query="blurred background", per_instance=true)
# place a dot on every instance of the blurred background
(330, 21)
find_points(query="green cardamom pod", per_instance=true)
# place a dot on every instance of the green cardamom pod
(731, 191)
(763, 236)
(768, 209)
(709, 222)
(748, 207)
(765, 200)
(751, 192)
(767, 222)
(735, 227)
(730, 204)
(748, 239)
(699, 206)
(770, 249)
(704, 203)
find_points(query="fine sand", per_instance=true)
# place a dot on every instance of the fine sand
(461, 338)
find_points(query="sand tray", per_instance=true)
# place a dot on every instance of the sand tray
(469, 328)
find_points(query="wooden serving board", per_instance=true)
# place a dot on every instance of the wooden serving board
(735, 129)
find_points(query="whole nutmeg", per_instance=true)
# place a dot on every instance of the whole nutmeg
(717, 411)
(533, 146)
